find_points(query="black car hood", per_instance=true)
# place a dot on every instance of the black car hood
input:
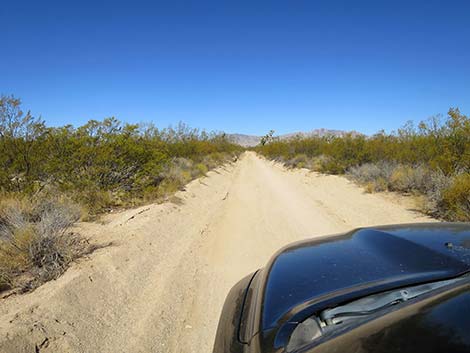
(312, 275)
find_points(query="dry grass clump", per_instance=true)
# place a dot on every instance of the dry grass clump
(393, 177)
(433, 195)
(378, 185)
(410, 178)
(370, 173)
(36, 244)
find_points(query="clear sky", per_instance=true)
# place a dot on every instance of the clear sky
(238, 66)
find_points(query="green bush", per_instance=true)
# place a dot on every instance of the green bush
(456, 199)
(102, 164)
(200, 169)
(437, 145)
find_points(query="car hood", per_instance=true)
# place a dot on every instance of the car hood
(309, 276)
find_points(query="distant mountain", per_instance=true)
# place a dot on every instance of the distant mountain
(252, 140)
(320, 133)
(245, 140)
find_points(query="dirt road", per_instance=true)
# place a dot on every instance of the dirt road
(160, 285)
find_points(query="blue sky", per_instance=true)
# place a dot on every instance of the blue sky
(238, 66)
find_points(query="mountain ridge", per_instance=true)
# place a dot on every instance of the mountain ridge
(247, 140)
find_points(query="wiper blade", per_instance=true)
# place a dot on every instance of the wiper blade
(331, 319)
(373, 303)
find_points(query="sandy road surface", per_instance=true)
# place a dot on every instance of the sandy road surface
(161, 284)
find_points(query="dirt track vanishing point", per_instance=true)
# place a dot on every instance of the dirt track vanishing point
(160, 284)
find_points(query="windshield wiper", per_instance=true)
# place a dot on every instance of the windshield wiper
(331, 319)
(373, 303)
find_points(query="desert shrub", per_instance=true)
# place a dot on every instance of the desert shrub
(279, 159)
(50, 255)
(166, 188)
(178, 171)
(319, 163)
(299, 161)
(36, 243)
(101, 164)
(200, 169)
(433, 204)
(442, 144)
(455, 202)
(332, 166)
(379, 184)
(371, 172)
(213, 160)
(374, 177)
(96, 200)
(15, 255)
(55, 213)
(407, 178)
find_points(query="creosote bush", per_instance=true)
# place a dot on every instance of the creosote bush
(52, 176)
(456, 198)
(102, 164)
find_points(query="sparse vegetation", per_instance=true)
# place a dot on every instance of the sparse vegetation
(102, 164)
(432, 160)
(36, 243)
(52, 176)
